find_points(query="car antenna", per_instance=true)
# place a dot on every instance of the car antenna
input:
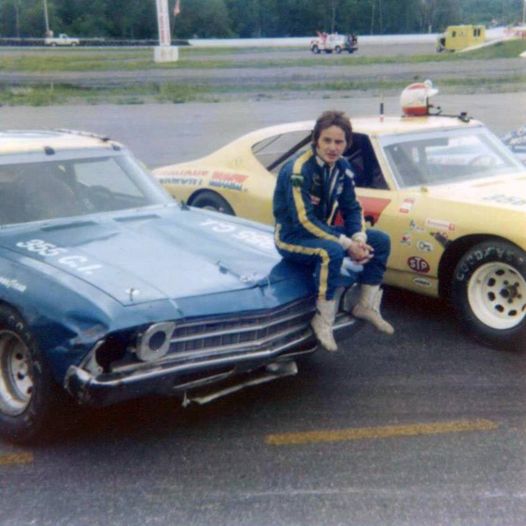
(382, 106)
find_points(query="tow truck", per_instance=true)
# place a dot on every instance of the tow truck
(334, 42)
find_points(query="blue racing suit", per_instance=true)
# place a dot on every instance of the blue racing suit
(308, 195)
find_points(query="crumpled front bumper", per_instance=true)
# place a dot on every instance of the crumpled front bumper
(227, 373)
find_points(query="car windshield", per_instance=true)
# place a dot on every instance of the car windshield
(34, 191)
(448, 156)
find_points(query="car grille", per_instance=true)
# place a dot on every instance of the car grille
(266, 330)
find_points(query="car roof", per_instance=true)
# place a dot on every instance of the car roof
(29, 141)
(376, 125)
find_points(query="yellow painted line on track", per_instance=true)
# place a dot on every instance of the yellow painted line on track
(15, 458)
(361, 433)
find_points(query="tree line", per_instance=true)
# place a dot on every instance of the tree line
(136, 19)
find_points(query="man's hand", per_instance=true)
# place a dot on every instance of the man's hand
(360, 252)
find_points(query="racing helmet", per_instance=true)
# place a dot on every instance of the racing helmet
(415, 98)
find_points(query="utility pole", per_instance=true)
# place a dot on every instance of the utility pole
(46, 20)
(16, 5)
(524, 12)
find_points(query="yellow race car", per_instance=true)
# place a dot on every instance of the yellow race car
(449, 193)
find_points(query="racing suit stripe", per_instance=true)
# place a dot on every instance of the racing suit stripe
(335, 207)
(299, 249)
(300, 204)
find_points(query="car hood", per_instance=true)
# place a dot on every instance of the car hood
(163, 254)
(502, 192)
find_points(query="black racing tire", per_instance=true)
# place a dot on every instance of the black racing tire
(315, 49)
(29, 396)
(489, 294)
(338, 49)
(212, 201)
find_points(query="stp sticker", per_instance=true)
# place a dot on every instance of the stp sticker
(418, 264)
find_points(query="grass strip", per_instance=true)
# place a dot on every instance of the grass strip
(39, 61)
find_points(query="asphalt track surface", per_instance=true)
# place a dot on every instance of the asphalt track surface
(161, 134)
(427, 427)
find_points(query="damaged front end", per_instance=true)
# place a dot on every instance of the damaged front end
(188, 358)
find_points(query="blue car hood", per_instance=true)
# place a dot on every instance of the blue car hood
(152, 255)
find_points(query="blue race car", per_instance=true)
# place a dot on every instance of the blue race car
(111, 290)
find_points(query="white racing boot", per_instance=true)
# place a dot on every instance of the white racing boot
(368, 308)
(322, 323)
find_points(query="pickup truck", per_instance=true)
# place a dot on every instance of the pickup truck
(61, 40)
(334, 42)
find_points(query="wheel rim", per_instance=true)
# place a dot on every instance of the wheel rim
(16, 381)
(497, 295)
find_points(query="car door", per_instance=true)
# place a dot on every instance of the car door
(397, 212)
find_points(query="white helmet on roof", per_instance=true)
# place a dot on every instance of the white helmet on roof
(415, 98)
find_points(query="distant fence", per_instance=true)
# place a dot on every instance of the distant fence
(491, 34)
(90, 42)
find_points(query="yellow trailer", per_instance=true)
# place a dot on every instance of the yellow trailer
(461, 37)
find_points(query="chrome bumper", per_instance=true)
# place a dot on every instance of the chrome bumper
(185, 378)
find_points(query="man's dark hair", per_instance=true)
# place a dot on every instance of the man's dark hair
(332, 118)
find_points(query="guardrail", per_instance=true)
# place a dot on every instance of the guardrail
(90, 42)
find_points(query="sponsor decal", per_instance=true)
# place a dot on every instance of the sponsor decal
(229, 181)
(506, 199)
(11, 283)
(296, 180)
(373, 207)
(413, 226)
(480, 255)
(262, 240)
(422, 282)
(62, 256)
(315, 200)
(441, 237)
(406, 206)
(440, 224)
(418, 264)
(425, 246)
(185, 172)
(406, 240)
(189, 181)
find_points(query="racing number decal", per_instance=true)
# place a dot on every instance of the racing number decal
(40, 247)
(259, 239)
(48, 250)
